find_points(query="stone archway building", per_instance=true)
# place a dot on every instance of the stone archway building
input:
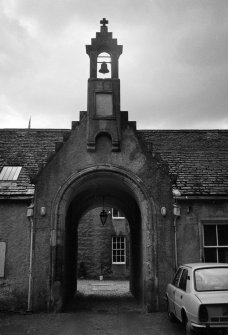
(145, 174)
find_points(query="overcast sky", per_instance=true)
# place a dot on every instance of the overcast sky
(173, 70)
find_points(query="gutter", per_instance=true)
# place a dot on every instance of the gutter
(15, 197)
(201, 197)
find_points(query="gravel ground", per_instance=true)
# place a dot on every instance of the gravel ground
(105, 295)
(99, 308)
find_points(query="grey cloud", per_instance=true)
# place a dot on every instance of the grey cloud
(208, 48)
(173, 70)
(12, 51)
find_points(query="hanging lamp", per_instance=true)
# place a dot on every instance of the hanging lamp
(103, 215)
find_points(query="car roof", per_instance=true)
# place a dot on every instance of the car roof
(204, 265)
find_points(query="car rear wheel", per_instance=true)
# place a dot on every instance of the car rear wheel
(188, 330)
(187, 326)
(171, 316)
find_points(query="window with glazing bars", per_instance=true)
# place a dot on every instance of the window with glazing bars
(118, 250)
(215, 242)
(116, 214)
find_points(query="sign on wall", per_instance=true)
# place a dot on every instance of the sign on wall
(104, 104)
(2, 258)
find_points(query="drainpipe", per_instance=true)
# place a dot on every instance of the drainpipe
(176, 213)
(30, 213)
(175, 240)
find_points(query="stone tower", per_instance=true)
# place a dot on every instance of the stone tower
(104, 89)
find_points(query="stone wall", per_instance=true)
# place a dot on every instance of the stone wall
(95, 245)
(15, 231)
(190, 226)
(189, 236)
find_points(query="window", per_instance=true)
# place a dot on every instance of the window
(118, 250)
(2, 258)
(116, 214)
(183, 280)
(212, 279)
(215, 242)
(180, 279)
(177, 277)
(10, 173)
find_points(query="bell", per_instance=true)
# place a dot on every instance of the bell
(104, 69)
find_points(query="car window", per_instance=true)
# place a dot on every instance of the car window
(211, 279)
(183, 280)
(177, 277)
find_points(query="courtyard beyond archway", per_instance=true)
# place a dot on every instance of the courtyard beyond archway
(110, 296)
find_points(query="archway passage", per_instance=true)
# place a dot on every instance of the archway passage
(87, 193)
(111, 296)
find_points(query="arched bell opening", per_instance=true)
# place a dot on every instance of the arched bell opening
(89, 191)
(104, 65)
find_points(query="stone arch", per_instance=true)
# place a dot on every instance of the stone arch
(80, 187)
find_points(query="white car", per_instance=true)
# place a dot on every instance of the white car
(198, 297)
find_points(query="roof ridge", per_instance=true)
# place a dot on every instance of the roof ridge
(182, 130)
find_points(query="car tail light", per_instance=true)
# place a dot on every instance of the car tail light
(203, 313)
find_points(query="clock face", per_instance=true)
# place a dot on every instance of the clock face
(104, 105)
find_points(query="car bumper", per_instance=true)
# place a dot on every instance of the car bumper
(205, 326)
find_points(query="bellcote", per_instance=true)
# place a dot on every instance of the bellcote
(104, 43)
(103, 88)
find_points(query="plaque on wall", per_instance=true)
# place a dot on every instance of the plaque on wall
(104, 104)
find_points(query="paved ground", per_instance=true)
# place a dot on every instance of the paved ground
(104, 308)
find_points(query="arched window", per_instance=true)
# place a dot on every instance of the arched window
(104, 66)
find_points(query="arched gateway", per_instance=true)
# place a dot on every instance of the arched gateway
(122, 189)
(102, 157)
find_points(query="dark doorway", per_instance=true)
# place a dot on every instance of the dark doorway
(90, 195)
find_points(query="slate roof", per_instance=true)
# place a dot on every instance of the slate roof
(28, 148)
(197, 159)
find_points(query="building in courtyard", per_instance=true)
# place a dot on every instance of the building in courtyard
(163, 195)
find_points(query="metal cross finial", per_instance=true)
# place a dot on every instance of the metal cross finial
(104, 22)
